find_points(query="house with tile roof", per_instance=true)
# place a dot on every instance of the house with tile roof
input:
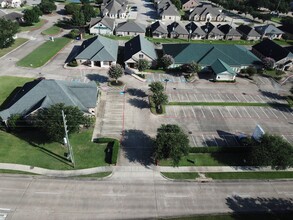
(130, 28)
(282, 56)
(139, 48)
(177, 30)
(115, 9)
(222, 71)
(158, 30)
(195, 31)
(248, 33)
(205, 12)
(229, 32)
(40, 94)
(269, 31)
(104, 26)
(212, 32)
(98, 51)
(186, 5)
(236, 56)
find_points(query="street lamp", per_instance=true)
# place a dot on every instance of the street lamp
(166, 81)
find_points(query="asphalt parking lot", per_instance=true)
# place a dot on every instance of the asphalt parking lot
(162, 77)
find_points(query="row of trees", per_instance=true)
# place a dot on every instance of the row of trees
(81, 13)
(158, 97)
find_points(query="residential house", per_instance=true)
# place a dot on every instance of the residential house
(158, 30)
(222, 71)
(13, 16)
(168, 12)
(115, 9)
(288, 31)
(236, 56)
(229, 32)
(268, 48)
(98, 51)
(40, 94)
(103, 26)
(195, 32)
(186, 5)
(248, 33)
(177, 30)
(130, 28)
(10, 3)
(138, 48)
(207, 13)
(269, 31)
(212, 32)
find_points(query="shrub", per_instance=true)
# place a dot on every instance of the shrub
(143, 64)
(115, 151)
(251, 70)
(103, 140)
(192, 67)
(165, 61)
(268, 63)
(280, 72)
(73, 34)
(73, 63)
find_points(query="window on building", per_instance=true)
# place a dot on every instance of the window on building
(140, 56)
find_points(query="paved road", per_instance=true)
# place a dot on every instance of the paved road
(135, 195)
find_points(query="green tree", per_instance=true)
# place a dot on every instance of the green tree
(78, 19)
(159, 99)
(13, 122)
(156, 87)
(71, 8)
(8, 30)
(177, 4)
(115, 72)
(268, 63)
(37, 10)
(31, 16)
(192, 67)
(50, 121)
(143, 64)
(165, 61)
(47, 6)
(171, 142)
(89, 12)
(272, 151)
(251, 70)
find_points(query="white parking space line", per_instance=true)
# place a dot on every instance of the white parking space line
(273, 113)
(195, 97)
(202, 112)
(282, 113)
(204, 97)
(236, 98)
(160, 77)
(211, 112)
(288, 111)
(238, 112)
(255, 112)
(187, 97)
(203, 138)
(229, 112)
(252, 98)
(236, 140)
(183, 112)
(286, 139)
(178, 95)
(193, 112)
(247, 113)
(245, 98)
(174, 111)
(215, 140)
(220, 98)
(228, 98)
(220, 112)
(153, 78)
(170, 99)
(260, 98)
(264, 112)
(193, 141)
(173, 79)
(261, 80)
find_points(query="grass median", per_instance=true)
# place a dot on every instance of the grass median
(251, 175)
(52, 30)
(17, 43)
(182, 176)
(43, 53)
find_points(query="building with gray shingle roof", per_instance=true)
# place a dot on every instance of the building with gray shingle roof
(177, 30)
(138, 48)
(115, 9)
(212, 32)
(195, 31)
(40, 94)
(103, 26)
(206, 12)
(130, 28)
(230, 32)
(168, 12)
(158, 30)
(248, 33)
(269, 31)
(98, 51)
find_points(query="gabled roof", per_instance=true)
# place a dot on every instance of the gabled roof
(177, 28)
(211, 29)
(98, 48)
(139, 43)
(269, 48)
(169, 10)
(114, 7)
(220, 66)
(130, 26)
(13, 16)
(206, 54)
(205, 9)
(229, 30)
(194, 29)
(158, 27)
(44, 93)
(247, 30)
(268, 29)
(108, 22)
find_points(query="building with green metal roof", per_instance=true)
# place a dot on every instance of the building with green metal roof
(236, 56)
(222, 71)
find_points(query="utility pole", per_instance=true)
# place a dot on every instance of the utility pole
(66, 141)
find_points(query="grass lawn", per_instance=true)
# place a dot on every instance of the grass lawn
(187, 175)
(16, 172)
(209, 159)
(284, 42)
(276, 19)
(251, 175)
(52, 30)
(17, 43)
(35, 26)
(8, 84)
(51, 155)
(43, 53)
(126, 38)
(96, 175)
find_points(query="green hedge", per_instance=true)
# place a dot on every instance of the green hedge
(219, 149)
(113, 145)
(103, 140)
(116, 146)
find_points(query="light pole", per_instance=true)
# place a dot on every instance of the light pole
(166, 81)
